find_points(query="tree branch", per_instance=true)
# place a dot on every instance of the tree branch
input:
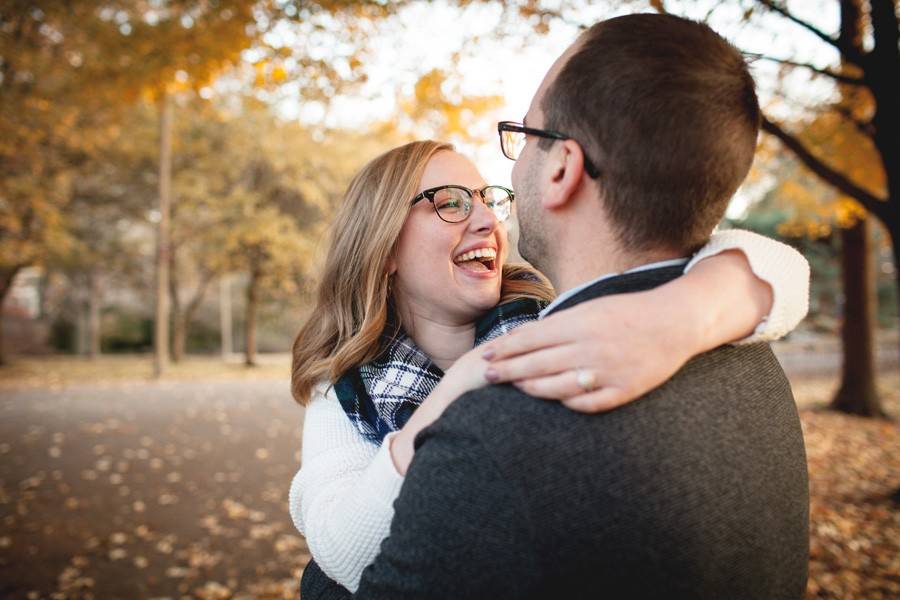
(849, 52)
(207, 278)
(875, 205)
(849, 79)
(867, 128)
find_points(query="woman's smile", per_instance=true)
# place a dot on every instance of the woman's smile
(479, 261)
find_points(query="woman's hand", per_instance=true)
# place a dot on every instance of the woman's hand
(466, 374)
(625, 345)
(628, 344)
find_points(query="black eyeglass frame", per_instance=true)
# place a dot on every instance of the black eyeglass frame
(430, 192)
(513, 127)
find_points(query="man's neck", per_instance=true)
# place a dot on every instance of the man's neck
(443, 340)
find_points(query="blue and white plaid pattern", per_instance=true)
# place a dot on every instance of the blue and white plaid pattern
(380, 396)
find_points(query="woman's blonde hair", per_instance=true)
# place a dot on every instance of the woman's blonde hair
(353, 299)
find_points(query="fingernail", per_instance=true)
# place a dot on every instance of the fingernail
(492, 375)
(489, 354)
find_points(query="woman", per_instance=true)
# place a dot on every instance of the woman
(413, 280)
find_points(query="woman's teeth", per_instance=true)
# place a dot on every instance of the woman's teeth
(482, 259)
(474, 254)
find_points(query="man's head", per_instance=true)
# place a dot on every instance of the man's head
(666, 111)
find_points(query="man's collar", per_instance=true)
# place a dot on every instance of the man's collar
(662, 272)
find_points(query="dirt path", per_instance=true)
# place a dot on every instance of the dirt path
(159, 490)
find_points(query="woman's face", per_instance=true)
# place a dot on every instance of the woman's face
(432, 276)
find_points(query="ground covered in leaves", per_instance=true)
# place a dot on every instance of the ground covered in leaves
(854, 470)
(178, 489)
(149, 491)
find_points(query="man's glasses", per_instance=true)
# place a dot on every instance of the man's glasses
(453, 203)
(512, 141)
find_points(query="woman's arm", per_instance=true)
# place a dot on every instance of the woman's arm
(780, 273)
(342, 497)
(466, 374)
(740, 288)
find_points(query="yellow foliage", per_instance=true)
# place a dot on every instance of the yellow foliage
(279, 74)
(438, 109)
(815, 207)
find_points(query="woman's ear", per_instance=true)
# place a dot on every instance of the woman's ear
(564, 171)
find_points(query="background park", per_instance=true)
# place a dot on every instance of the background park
(168, 169)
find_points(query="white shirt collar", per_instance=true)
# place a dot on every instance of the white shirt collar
(571, 292)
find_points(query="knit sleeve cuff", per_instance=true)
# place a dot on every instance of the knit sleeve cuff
(779, 265)
(381, 479)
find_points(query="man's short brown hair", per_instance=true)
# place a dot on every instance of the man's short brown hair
(667, 110)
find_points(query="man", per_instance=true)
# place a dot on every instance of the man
(634, 143)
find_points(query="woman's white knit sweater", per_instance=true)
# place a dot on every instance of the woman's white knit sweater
(342, 498)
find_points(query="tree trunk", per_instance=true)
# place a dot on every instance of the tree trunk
(225, 316)
(183, 317)
(182, 324)
(161, 329)
(179, 338)
(95, 299)
(857, 394)
(250, 318)
(81, 310)
(7, 276)
(895, 246)
(178, 319)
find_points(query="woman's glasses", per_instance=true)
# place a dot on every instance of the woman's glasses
(453, 203)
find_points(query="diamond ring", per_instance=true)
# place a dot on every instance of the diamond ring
(586, 379)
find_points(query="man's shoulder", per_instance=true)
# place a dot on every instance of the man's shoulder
(496, 407)
(741, 379)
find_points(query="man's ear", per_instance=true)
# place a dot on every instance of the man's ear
(565, 167)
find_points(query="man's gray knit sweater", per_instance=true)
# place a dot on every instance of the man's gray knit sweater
(697, 490)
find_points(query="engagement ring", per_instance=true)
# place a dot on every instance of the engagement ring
(586, 379)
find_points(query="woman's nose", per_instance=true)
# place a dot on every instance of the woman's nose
(482, 218)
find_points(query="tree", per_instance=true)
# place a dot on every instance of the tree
(283, 186)
(43, 109)
(67, 69)
(857, 393)
(66, 66)
(854, 156)
(875, 73)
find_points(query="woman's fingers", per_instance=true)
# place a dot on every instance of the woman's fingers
(564, 387)
(552, 387)
(602, 400)
(540, 363)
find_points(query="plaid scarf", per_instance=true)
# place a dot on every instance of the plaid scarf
(380, 396)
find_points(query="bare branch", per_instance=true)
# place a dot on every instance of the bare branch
(872, 203)
(849, 52)
(848, 79)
